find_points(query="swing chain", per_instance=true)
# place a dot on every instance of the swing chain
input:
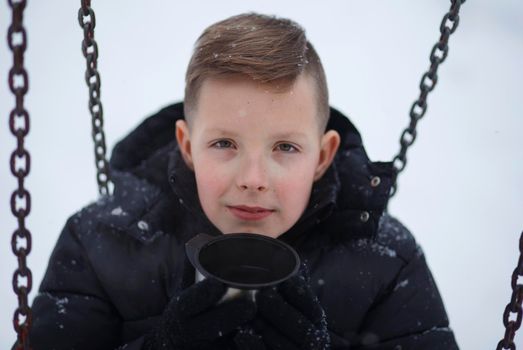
(20, 163)
(87, 21)
(428, 82)
(515, 305)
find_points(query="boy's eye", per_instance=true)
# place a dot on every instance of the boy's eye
(222, 144)
(286, 147)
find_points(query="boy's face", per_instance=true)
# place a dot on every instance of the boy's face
(255, 153)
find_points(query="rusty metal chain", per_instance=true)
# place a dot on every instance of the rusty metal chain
(87, 21)
(20, 163)
(514, 307)
(428, 82)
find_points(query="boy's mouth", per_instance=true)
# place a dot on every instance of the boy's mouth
(245, 212)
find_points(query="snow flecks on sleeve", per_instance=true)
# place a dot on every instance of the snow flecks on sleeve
(147, 233)
(392, 229)
(59, 302)
(118, 211)
(401, 284)
(438, 329)
(143, 225)
(393, 234)
(374, 247)
(386, 251)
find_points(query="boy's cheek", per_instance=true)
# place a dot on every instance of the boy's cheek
(209, 170)
(209, 184)
(298, 176)
(295, 190)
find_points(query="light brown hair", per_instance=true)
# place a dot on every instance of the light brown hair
(266, 48)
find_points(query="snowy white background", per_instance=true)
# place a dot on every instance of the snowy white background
(462, 191)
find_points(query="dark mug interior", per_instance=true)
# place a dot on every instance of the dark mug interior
(244, 260)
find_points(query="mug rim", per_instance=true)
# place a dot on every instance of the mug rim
(253, 236)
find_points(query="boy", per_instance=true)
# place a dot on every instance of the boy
(258, 150)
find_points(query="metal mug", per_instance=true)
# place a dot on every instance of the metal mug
(245, 262)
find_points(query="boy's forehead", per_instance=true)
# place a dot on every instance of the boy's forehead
(231, 99)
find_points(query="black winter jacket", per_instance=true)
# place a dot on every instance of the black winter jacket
(118, 261)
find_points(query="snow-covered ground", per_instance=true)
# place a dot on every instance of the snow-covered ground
(461, 194)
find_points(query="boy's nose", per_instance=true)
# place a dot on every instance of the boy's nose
(252, 176)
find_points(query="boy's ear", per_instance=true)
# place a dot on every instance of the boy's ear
(184, 142)
(330, 142)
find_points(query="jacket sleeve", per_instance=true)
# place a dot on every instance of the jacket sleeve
(410, 315)
(71, 310)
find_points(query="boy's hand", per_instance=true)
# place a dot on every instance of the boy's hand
(194, 321)
(291, 316)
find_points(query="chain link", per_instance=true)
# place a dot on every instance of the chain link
(87, 21)
(428, 82)
(20, 164)
(514, 307)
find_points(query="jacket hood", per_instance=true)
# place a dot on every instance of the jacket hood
(353, 193)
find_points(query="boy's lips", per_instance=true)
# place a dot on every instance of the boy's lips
(245, 212)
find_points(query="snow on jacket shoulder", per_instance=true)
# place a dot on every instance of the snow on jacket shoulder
(120, 260)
